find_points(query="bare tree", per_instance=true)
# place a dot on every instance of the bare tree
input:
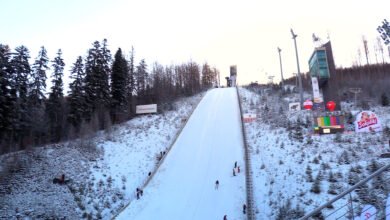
(379, 48)
(365, 48)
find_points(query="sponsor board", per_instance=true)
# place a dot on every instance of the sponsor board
(367, 121)
(248, 117)
(317, 97)
(143, 109)
(294, 106)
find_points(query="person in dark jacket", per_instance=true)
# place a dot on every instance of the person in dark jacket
(216, 184)
(244, 209)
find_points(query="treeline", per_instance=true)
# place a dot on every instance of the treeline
(104, 90)
(373, 80)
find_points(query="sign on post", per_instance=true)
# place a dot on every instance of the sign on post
(143, 109)
(248, 117)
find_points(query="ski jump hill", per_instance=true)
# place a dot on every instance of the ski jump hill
(205, 151)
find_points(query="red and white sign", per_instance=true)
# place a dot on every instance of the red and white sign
(248, 117)
(368, 212)
(308, 104)
(367, 121)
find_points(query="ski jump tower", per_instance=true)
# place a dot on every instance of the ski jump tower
(231, 81)
(322, 67)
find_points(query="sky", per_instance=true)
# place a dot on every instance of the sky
(220, 32)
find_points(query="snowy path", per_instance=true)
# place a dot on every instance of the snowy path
(206, 150)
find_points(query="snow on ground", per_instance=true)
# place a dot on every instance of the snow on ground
(281, 157)
(287, 161)
(184, 186)
(104, 170)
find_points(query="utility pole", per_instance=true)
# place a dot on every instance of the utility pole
(299, 72)
(281, 69)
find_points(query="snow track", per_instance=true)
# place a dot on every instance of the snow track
(183, 187)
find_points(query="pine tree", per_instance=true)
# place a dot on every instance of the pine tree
(384, 31)
(37, 96)
(297, 133)
(363, 193)
(77, 103)
(6, 102)
(373, 166)
(141, 76)
(331, 177)
(384, 99)
(316, 187)
(332, 189)
(309, 173)
(353, 178)
(97, 89)
(54, 107)
(21, 71)
(130, 81)
(119, 92)
(38, 78)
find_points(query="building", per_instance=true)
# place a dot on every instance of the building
(233, 75)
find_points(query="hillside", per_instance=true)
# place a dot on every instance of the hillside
(104, 169)
(289, 161)
(294, 170)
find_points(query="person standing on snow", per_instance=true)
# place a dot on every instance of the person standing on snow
(216, 184)
(225, 217)
(238, 169)
(234, 172)
(244, 209)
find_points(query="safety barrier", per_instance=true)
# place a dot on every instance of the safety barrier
(339, 212)
(248, 169)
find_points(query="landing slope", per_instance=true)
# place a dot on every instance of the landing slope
(184, 186)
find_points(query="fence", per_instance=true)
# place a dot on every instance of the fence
(346, 210)
(248, 169)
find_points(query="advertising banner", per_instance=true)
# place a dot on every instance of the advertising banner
(248, 117)
(142, 109)
(316, 90)
(367, 121)
(294, 106)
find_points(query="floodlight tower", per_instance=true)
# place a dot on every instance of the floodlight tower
(299, 72)
(281, 69)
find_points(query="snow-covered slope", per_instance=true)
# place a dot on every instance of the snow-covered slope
(286, 161)
(206, 150)
(105, 169)
(281, 157)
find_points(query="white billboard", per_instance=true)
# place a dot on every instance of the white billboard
(367, 121)
(317, 97)
(294, 106)
(142, 109)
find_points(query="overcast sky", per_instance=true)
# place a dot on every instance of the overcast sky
(245, 33)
